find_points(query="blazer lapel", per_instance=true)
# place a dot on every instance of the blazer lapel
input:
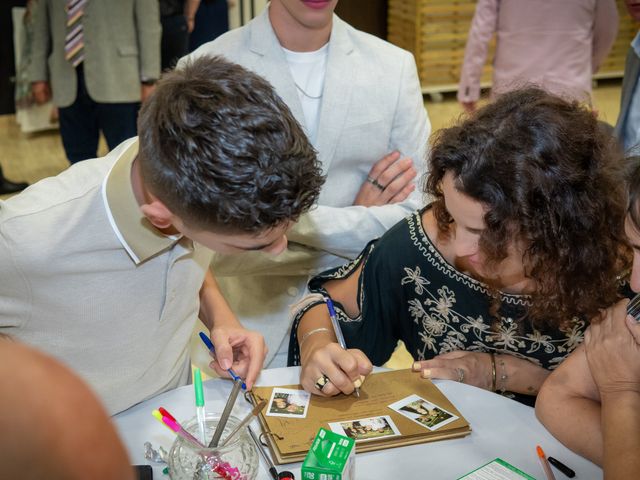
(272, 64)
(336, 94)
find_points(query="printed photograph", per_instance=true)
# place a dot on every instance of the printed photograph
(288, 403)
(423, 412)
(366, 429)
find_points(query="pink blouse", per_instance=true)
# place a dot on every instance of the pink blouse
(555, 44)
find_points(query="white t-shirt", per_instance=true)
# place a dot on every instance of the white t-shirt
(308, 70)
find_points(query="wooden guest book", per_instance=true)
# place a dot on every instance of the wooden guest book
(289, 438)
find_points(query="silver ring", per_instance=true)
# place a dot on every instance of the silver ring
(322, 382)
(375, 183)
(460, 375)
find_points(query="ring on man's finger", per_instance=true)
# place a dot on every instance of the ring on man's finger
(375, 183)
(460, 375)
(322, 381)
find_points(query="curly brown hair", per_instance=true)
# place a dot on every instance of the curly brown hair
(552, 178)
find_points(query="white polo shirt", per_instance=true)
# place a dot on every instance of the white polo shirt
(86, 278)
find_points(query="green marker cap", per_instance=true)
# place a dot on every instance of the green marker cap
(197, 382)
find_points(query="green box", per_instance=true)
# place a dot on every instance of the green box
(331, 457)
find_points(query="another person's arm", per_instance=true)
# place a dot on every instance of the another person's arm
(236, 347)
(190, 9)
(605, 29)
(613, 353)
(149, 31)
(344, 231)
(569, 406)
(483, 26)
(38, 73)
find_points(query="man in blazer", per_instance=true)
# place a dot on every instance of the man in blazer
(628, 125)
(117, 60)
(360, 101)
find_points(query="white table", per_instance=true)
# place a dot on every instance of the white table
(501, 428)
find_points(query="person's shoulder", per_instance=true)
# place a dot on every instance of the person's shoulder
(375, 47)
(400, 233)
(54, 195)
(229, 45)
(396, 243)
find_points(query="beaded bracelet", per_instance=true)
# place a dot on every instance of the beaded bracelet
(311, 332)
(503, 377)
(493, 372)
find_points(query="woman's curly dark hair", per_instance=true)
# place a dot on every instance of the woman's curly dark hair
(552, 178)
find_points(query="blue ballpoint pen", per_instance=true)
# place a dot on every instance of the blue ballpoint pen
(209, 345)
(338, 331)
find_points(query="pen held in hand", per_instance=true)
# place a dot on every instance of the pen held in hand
(338, 331)
(207, 341)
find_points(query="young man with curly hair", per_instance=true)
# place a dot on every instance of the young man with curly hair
(106, 266)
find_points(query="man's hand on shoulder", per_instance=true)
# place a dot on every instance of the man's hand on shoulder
(390, 180)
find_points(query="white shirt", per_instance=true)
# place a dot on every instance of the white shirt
(631, 133)
(308, 71)
(89, 280)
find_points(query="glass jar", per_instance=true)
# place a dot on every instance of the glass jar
(237, 460)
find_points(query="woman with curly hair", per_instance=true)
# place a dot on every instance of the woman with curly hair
(494, 282)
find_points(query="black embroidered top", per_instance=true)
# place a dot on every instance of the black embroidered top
(409, 292)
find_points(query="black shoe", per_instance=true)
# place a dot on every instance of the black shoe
(7, 186)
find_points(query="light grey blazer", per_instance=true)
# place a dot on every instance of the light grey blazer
(631, 77)
(122, 46)
(371, 105)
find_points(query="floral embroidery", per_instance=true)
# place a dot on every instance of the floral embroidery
(442, 325)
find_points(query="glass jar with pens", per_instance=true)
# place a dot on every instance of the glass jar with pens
(235, 459)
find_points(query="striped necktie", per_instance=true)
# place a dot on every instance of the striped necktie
(74, 42)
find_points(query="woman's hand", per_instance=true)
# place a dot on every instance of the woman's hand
(345, 369)
(473, 368)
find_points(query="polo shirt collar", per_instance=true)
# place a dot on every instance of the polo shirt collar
(137, 235)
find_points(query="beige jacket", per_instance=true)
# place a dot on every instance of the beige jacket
(122, 46)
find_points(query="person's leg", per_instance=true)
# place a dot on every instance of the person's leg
(117, 121)
(175, 40)
(79, 125)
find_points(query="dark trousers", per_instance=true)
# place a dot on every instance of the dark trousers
(81, 123)
(175, 40)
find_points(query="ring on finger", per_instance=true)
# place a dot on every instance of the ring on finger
(322, 381)
(375, 183)
(460, 375)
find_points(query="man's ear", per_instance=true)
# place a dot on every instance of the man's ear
(157, 213)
